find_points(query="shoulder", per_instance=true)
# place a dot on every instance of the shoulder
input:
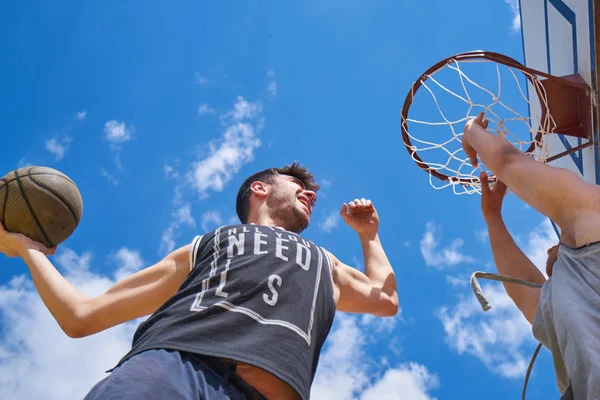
(335, 262)
(191, 250)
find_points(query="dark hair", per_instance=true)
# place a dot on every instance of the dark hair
(242, 203)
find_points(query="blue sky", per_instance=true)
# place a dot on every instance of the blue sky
(158, 112)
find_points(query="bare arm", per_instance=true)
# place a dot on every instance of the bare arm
(79, 315)
(509, 259)
(555, 192)
(373, 292)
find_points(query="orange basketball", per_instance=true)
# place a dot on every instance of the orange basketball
(41, 203)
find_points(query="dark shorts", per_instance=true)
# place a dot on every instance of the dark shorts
(166, 374)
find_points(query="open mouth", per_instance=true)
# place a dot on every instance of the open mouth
(306, 204)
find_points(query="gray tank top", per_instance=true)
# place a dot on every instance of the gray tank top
(567, 321)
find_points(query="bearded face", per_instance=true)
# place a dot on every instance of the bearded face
(290, 203)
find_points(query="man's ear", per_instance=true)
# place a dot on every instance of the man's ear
(259, 188)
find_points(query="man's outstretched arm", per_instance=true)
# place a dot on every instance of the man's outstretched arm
(555, 192)
(79, 315)
(373, 292)
(509, 259)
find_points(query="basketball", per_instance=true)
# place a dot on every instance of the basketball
(41, 203)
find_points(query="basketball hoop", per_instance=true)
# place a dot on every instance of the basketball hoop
(562, 106)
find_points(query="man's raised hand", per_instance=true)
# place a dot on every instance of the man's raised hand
(361, 216)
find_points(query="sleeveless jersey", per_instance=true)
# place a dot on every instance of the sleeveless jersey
(256, 294)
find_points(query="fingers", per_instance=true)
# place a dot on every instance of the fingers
(359, 203)
(485, 186)
(468, 149)
(499, 186)
(473, 160)
(479, 118)
(344, 209)
(356, 205)
(471, 153)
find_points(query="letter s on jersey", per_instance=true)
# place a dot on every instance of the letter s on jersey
(274, 295)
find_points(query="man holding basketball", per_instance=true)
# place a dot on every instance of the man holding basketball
(565, 312)
(239, 313)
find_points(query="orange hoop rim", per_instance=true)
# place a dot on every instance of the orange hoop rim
(530, 74)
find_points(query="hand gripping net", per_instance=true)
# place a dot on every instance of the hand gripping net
(465, 85)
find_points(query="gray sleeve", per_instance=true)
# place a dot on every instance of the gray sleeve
(540, 318)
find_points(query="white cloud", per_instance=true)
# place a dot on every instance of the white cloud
(23, 162)
(211, 219)
(44, 362)
(500, 337)
(81, 115)
(117, 132)
(482, 236)
(272, 89)
(171, 171)
(74, 265)
(457, 281)
(242, 110)
(167, 240)
(440, 258)
(346, 372)
(272, 85)
(184, 215)
(200, 80)
(514, 7)
(381, 325)
(58, 148)
(539, 240)
(181, 216)
(409, 381)
(108, 176)
(340, 373)
(331, 221)
(128, 262)
(224, 157)
(205, 109)
(325, 183)
(229, 153)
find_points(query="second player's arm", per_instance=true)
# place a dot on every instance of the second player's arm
(511, 261)
(135, 296)
(557, 193)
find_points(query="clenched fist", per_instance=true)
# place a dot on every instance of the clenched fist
(361, 216)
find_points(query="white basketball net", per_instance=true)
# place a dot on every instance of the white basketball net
(440, 145)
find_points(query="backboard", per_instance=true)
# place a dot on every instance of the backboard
(561, 37)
